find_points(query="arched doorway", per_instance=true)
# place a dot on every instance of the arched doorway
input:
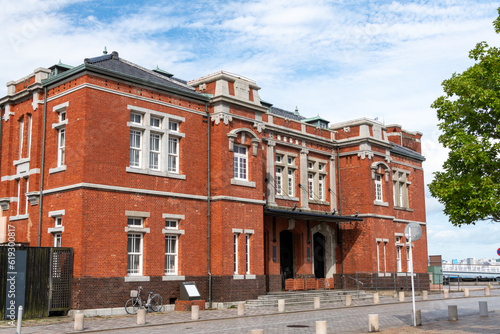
(319, 255)
(328, 242)
(286, 256)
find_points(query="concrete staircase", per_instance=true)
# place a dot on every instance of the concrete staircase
(304, 298)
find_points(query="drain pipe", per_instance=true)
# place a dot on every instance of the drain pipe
(42, 168)
(340, 213)
(209, 212)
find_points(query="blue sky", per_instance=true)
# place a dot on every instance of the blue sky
(339, 59)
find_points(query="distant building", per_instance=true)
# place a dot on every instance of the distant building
(454, 261)
(153, 180)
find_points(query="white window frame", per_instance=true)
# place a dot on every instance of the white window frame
(30, 129)
(174, 253)
(172, 231)
(379, 197)
(26, 200)
(401, 188)
(291, 182)
(61, 147)
(236, 253)
(21, 137)
(58, 239)
(160, 143)
(310, 183)
(399, 267)
(247, 249)
(135, 253)
(240, 163)
(279, 181)
(321, 187)
(60, 127)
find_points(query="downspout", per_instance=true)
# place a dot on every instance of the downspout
(209, 212)
(42, 168)
(340, 213)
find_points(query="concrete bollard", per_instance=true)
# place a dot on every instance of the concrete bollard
(317, 303)
(281, 305)
(486, 291)
(466, 292)
(376, 298)
(79, 323)
(348, 300)
(425, 295)
(241, 308)
(141, 316)
(373, 323)
(195, 312)
(320, 327)
(483, 309)
(418, 316)
(446, 294)
(401, 296)
(452, 313)
(490, 286)
(257, 331)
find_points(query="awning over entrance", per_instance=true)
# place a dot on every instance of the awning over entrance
(299, 215)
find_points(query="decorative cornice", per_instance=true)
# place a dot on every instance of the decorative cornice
(216, 118)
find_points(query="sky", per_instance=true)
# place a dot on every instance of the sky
(341, 60)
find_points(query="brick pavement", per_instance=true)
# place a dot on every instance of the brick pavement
(394, 318)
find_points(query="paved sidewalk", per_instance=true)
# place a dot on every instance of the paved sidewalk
(394, 318)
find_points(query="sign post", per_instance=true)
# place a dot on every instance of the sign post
(413, 232)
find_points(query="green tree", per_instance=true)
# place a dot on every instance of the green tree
(469, 115)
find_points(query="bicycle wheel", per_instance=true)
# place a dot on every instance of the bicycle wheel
(156, 303)
(132, 305)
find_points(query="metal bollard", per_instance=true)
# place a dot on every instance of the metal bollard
(483, 309)
(418, 317)
(487, 291)
(317, 303)
(281, 305)
(452, 313)
(425, 295)
(79, 323)
(20, 319)
(446, 294)
(241, 308)
(376, 298)
(320, 327)
(466, 292)
(401, 296)
(373, 323)
(257, 331)
(141, 316)
(195, 312)
(348, 300)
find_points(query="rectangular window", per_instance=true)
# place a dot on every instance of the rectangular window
(247, 249)
(291, 160)
(134, 249)
(21, 137)
(279, 158)
(28, 144)
(398, 259)
(291, 179)
(57, 239)
(134, 222)
(58, 221)
(155, 122)
(279, 181)
(154, 151)
(18, 196)
(61, 147)
(378, 188)
(173, 126)
(171, 254)
(135, 118)
(378, 256)
(400, 190)
(321, 187)
(173, 155)
(235, 253)
(135, 148)
(26, 197)
(310, 181)
(171, 224)
(240, 162)
(408, 259)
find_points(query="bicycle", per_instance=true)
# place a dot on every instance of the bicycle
(154, 302)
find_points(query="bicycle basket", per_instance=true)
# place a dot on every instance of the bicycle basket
(134, 293)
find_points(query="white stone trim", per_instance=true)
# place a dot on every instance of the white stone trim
(243, 183)
(173, 278)
(61, 107)
(20, 217)
(172, 231)
(375, 202)
(57, 213)
(147, 171)
(249, 231)
(237, 277)
(139, 214)
(173, 216)
(57, 229)
(238, 199)
(250, 276)
(137, 279)
(237, 230)
(18, 176)
(137, 229)
(57, 169)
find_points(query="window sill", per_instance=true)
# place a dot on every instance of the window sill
(384, 274)
(295, 199)
(136, 278)
(173, 278)
(379, 203)
(403, 209)
(56, 229)
(57, 169)
(238, 276)
(137, 229)
(21, 161)
(20, 217)
(249, 276)
(318, 202)
(59, 125)
(172, 231)
(242, 183)
(155, 173)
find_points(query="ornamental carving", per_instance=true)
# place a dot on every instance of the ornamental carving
(226, 118)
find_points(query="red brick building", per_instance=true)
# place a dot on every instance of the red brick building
(153, 181)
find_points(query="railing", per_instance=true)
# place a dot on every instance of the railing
(388, 280)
